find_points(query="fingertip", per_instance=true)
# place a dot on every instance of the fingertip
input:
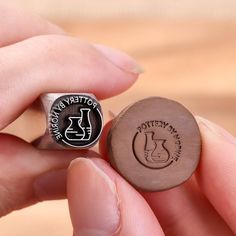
(120, 59)
(90, 201)
(215, 131)
(93, 199)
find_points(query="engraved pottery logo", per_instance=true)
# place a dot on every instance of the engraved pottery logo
(75, 120)
(157, 144)
(154, 149)
(80, 128)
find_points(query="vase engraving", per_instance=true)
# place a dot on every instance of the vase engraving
(155, 150)
(80, 128)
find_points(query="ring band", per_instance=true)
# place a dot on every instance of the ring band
(74, 120)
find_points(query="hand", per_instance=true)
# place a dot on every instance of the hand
(203, 206)
(37, 57)
(101, 202)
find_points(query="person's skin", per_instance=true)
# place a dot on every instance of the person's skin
(38, 57)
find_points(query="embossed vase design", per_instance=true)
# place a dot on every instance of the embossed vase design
(80, 127)
(155, 150)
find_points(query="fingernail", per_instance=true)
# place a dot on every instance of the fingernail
(217, 130)
(51, 185)
(120, 59)
(93, 200)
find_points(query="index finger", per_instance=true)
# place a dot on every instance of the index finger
(56, 63)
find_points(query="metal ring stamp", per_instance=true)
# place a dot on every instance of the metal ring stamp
(74, 120)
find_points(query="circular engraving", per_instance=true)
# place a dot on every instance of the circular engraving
(75, 120)
(157, 144)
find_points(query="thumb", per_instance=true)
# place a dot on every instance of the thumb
(103, 204)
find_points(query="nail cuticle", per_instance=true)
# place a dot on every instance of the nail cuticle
(217, 130)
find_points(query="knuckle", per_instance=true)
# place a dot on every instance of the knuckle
(65, 53)
(55, 45)
(48, 45)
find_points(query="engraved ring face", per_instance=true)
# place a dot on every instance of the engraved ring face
(75, 120)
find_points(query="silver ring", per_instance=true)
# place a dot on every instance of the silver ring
(74, 120)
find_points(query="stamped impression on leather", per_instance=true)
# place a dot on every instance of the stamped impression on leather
(155, 144)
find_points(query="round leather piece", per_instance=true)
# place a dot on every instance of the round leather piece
(155, 144)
